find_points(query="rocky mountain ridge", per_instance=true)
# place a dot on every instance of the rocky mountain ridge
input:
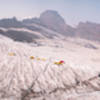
(52, 21)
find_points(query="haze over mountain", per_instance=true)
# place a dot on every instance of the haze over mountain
(49, 24)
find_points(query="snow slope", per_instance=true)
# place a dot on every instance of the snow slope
(22, 78)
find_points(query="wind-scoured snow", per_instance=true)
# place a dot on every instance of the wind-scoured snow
(22, 78)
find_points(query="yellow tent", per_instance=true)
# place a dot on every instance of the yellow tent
(32, 57)
(11, 54)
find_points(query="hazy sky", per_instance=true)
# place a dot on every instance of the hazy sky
(72, 11)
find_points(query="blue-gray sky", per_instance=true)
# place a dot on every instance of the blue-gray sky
(73, 11)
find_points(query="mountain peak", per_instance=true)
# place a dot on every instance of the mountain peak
(51, 17)
(50, 12)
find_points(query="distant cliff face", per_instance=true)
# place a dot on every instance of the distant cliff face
(88, 30)
(10, 22)
(54, 21)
